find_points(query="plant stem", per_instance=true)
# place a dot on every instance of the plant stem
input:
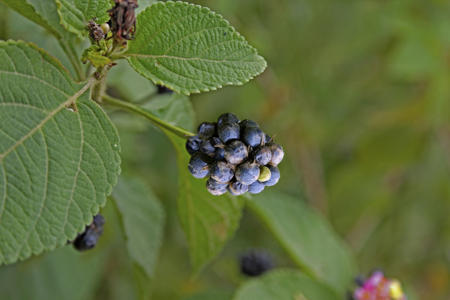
(146, 114)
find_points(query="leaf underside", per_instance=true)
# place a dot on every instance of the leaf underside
(57, 162)
(190, 49)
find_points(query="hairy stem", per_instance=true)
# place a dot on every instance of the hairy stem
(148, 115)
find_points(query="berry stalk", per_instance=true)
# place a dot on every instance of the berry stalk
(148, 115)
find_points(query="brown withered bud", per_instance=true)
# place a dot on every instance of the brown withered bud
(95, 31)
(123, 19)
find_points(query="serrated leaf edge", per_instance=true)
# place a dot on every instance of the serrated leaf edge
(213, 88)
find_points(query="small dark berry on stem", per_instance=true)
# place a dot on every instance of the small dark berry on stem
(247, 173)
(236, 152)
(228, 131)
(256, 187)
(248, 123)
(263, 155)
(277, 154)
(193, 144)
(227, 118)
(236, 188)
(198, 165)
(89, 238)
(222, 172)
(163, 90)
(206, 129)
(253, 136)
(208, 148)
(255, 263)
(216, 188)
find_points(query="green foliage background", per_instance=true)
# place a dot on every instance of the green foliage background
(358, 92)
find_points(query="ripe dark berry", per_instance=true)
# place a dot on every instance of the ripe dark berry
(248, 123)
(221, 172)
(227, 118)
(237, 156)
(229, 131)
(274, 176)
(88, 239)
(163, 90)
(216, 188)
(198, 165)
(219, 155)
(263, 155)
(193, 144)
(253, 136)
(236, 152)
(256, 187)
(206, 129)
(277, 154)
(247, 173)
(236, 188)
(255, 263)
(207, 147)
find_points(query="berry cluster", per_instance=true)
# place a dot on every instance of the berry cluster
(237, 156)
(378, 287)
(255, 263)
(89, 238)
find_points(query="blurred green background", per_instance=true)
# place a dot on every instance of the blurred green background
(358, 93)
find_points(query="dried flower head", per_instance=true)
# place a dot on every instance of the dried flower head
(123, 19)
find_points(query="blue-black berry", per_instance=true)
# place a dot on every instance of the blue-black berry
(229, 131)
(89, 238)
(236, 156)
(263, 155)
(255, 263)
(206, 129)
(207, 147)
(236, 152)
(236, 188)
(198, 165)
(216, 188)
(227, 118)
(247, 173)
(256, 187)
(193, 144)
(222, 172)
(253, 136)
(248, 123)
(277, 154)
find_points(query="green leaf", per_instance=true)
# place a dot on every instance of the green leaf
(75, 14)
(43, 13)
(190, 49)
(208, 221)
(63, 274)
(284, 285)
(307, 237)
(142, 221)
(58, 160)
